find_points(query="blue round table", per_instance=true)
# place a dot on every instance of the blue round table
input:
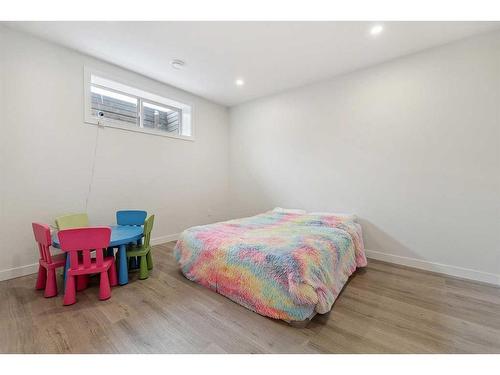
(121, 236)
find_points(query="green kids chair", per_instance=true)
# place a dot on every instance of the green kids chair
(144, 251)
(72, 221)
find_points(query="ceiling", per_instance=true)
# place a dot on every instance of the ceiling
(269, 56)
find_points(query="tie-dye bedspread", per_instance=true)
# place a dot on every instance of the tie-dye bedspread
(282, 265)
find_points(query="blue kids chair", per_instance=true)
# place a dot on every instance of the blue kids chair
(131, 217)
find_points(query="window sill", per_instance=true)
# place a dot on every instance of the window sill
(115, 125)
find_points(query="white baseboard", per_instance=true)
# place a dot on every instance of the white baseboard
(465, 273)
(12, 273)
(29, 269)
(164, 239)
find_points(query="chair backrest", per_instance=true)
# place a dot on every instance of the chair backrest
(72, 221)
(130, 217)
(83, 241)
(148, 227)
(42, 237)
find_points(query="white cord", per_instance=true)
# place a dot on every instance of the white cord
(93, 166)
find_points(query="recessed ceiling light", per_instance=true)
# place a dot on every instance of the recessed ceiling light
(239, 82)
(177, 64)
(377, 29)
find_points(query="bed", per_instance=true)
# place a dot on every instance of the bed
(286, 265)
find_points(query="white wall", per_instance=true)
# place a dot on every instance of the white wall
(412, 146)
(47, 153)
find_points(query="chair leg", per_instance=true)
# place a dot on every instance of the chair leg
(70, 292)
(150, 260)
(113, 278)
(82, 282)
(41, 280)
(143, 268)
(104, 288)
(51, 286)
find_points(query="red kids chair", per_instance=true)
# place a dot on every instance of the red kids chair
(82, 241)
(47, 263)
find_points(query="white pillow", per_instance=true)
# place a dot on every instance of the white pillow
(341, 215)
(289, 210)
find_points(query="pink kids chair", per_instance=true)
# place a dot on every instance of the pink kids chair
(79, 243)
(47, 263)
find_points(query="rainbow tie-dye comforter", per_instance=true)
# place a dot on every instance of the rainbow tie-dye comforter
(282, 265)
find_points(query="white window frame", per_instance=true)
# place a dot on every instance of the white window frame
(116, 84)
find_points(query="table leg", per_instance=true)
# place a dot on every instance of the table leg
(123, 269)
(139, 243)
(134, 264)
(65, 273)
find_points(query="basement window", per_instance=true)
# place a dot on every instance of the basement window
(111, 103)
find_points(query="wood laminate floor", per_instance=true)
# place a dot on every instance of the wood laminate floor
(383, 309)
